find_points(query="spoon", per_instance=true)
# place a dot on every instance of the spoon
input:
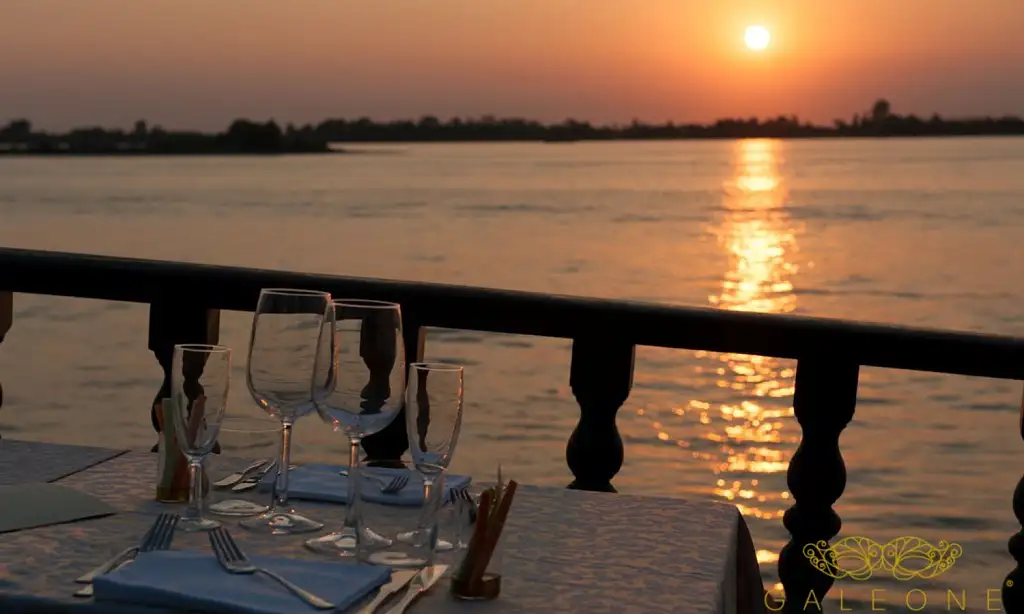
(235, 478)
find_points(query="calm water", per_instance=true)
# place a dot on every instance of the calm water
(914, 232)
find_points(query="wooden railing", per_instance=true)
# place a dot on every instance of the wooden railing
(186, 299)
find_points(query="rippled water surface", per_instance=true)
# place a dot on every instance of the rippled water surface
(926, 233)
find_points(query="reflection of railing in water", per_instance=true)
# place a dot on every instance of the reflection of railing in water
(185, 301)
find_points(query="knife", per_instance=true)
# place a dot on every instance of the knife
(399, 578)
(235, 478)
(426, 578)
(254, 479)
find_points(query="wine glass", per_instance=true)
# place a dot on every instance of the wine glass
(358, 388)
(433, 419)
(200, 377)
(282, 350)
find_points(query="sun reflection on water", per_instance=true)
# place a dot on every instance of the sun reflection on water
(750, 428)
(737, 421)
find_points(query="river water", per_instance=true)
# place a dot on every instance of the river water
(919, 232)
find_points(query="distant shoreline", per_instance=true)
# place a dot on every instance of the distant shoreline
(248, 138)
(70, 153)
(141, 153)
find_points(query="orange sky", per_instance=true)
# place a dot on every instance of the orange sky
(200, 63)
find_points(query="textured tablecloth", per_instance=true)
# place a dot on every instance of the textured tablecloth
(566, 551)
(23, 462)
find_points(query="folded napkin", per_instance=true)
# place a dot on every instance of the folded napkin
(323, 483)
(194, 581)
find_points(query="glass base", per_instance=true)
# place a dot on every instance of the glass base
(194, 525)
(237, 507)
(345, 544)
(280, 523)
(443, 545)
(397, 560)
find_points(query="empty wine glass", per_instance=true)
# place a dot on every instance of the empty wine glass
(282, 350)
(200, 377)
(433, 419)
(358, 388)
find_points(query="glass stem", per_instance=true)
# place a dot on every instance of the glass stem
(462, 526)
(428, 521)
(195, 483)
(281, 491)
(351, 510)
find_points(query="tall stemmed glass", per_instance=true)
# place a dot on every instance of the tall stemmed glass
(433, 419)
(200, 377)
(358, 388)
(282, 349)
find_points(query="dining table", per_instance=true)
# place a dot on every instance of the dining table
(564, 550)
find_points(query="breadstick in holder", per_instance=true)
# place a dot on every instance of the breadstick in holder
(478, 577)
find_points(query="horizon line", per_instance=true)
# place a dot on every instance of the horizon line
(487, 118)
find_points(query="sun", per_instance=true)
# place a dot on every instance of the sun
(757, 38)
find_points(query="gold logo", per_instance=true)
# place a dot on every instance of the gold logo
(858, 557)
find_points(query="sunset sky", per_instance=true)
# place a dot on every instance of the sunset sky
(201, 63)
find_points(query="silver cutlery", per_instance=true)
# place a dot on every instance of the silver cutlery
(423, 580)
(387, 486)
(159, 537)
(254, 480)
(127, 552)
(396, 484)
(465, 504)
(235, 478)
(233, 560)
(456, 495)
(398, 581)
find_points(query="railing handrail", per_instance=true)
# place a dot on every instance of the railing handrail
(528, 313)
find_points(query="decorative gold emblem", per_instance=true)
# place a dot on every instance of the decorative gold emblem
(859, 557)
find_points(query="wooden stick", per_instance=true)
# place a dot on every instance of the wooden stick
(493, 534)
(476, 542)
(195, 420)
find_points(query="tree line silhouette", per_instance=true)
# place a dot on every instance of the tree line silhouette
(245, 136)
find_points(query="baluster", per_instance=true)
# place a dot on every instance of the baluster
(173, 321)
(1013, 585)
(6, 318)
(601, 376)
(391, 443)
(824, 402)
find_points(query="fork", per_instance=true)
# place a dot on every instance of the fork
(396, 484)
(465, 510)
(459, 494)
(159, 537)
(387, 487)
(233, 560)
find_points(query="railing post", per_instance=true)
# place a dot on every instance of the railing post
(174, 320)
(6, 318)
(600, 376)
(824, 402)
(390, 444)
(1013, 585)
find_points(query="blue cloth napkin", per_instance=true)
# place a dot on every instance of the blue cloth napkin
(323, 483)
(194, 581)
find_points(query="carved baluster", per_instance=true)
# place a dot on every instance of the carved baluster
(600, 377)
(391, 443)
(824, 401)
(173, 321)
(1013, 585)
(6, 318)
